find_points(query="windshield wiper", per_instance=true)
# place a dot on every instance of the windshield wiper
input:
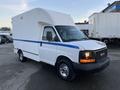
(72, 40)
(84, 38)
(76, 39)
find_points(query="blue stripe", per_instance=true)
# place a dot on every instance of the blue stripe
(50, 43)
(27, 40)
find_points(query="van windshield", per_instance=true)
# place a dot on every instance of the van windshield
(70, 33)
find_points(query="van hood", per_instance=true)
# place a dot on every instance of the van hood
(88, 44)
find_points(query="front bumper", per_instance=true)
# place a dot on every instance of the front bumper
(92, 67)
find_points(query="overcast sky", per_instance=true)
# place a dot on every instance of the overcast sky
(80, 10)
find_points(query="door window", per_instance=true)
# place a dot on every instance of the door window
(49, 34)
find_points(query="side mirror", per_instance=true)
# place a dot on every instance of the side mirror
(49, 36)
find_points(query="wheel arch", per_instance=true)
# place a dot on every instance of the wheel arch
(19, 50)
(62, 58)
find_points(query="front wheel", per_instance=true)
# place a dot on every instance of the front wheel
(65, 71)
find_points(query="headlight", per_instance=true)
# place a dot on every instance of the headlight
(87, 57)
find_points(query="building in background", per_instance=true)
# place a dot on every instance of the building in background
(114, 7)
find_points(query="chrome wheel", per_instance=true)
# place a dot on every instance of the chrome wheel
(64, 70)
(21, 57)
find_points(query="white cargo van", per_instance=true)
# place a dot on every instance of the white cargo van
(51, 37)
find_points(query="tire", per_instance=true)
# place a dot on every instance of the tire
(21, 57)
(65, 70)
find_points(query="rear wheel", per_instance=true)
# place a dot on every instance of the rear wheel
(65, 70)
(21, 57)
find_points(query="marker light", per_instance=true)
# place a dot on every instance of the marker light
(87, 61)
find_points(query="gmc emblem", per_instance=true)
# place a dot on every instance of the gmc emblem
(102, 54)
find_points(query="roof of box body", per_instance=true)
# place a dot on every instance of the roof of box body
(47, 16)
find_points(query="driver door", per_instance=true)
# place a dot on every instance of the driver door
(48, 47)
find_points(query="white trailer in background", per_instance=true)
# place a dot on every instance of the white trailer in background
(84, 27)
(106, 26)
(52, 37)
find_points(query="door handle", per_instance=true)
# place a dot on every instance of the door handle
(41, 44)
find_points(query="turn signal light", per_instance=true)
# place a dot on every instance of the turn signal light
(84, 61)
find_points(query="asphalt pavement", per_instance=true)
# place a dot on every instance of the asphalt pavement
(32, 75)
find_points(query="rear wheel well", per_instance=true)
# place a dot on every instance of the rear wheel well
(20, 53)
(19, 50)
